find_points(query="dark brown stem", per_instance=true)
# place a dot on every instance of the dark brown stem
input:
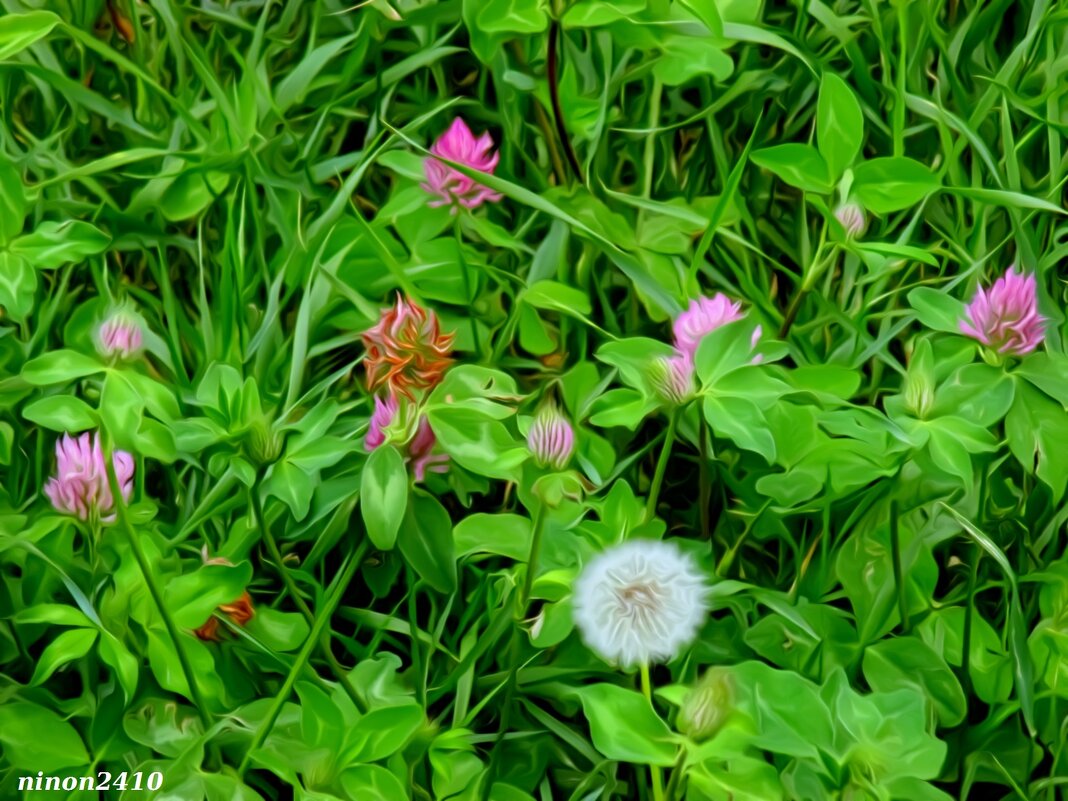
(543, 122)
(554, 95)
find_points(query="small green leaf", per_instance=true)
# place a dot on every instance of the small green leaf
(559, 297)
(55, 244)
(937, 310)
(66, 647)
(425, 540)
(59, 367)
(890, 184)
(18, 285)
(839, 124)
(798, 165)
(61, 413)
(384, 495)
(19, 31)
(13, 204)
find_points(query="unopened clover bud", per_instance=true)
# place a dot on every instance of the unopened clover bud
(264, 443)
(707, 706)
(672, 378)
(551, 439)
(919, 382)
(119, 336)
(852, 218)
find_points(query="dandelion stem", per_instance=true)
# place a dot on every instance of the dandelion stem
(661, 466)
(704, 496)
(532, 562)
(654, 770)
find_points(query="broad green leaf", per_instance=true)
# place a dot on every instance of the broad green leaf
(55, 244)
(798, 165)
(906, 662)
(559, 297)
(936, 309)
(61, 413)
(36, 738)
(425, 540)
(192, 598)
(382, 732)
(839, 124)
(373, 783)
(18, 284)
(19, 31)
(384, 495)
(59, 367)
(884, 185)
(625, 727)
(502, 534)
(686, 57)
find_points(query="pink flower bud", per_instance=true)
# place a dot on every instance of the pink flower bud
(80, 486)
(384, 414)
(119, 337)
(1005, 317)
(852, 218)
(551, 439)
(452, 186)
(672, 377)
(420, 449)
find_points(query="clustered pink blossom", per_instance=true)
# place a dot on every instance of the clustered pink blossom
(406, 351)
(420, 447)
(1005, 317)
(80, 486)
(702, 317)
(551, 438)
(119, 336)
(452, 186)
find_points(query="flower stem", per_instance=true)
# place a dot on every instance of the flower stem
(661, 466)
(291, 587)
(154, 591)
(333, 598)
(466, 279)
(675, 782)
(532, 562)
(554, 96)
(654, 770)
(895, 549)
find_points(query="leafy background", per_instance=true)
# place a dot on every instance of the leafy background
(890, 591)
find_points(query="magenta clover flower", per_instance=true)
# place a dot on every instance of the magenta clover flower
(1005, 317)
(80, 485)
(452, 186)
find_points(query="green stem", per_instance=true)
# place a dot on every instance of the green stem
(532, 562)
(341, 582)
(661, 466)
(154, 591)
(654, 770)
(466, 279)
(675, 782)
(650, 142)
(291, 588)
(895, 548)
(704, 496)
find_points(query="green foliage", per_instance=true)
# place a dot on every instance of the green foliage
(280, 608)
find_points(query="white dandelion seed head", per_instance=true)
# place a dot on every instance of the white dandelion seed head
(640, 602)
